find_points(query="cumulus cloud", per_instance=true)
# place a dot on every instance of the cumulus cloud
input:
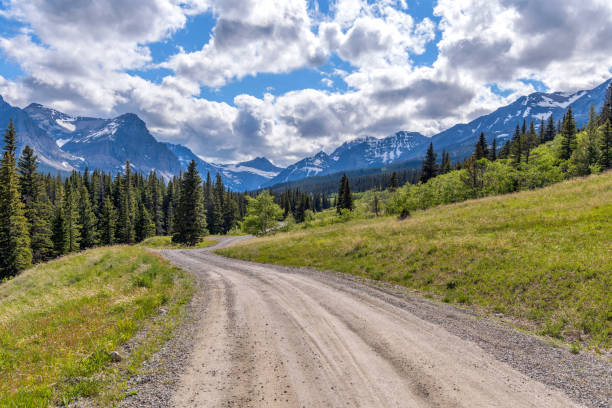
(79, 57)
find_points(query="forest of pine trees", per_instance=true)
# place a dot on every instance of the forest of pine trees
(43, 217)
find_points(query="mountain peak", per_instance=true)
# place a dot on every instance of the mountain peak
(260, 163)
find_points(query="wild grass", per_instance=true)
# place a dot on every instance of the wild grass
(165, 242)
(543, 256)
(60, 321)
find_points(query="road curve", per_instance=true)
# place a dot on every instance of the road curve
(274, 337)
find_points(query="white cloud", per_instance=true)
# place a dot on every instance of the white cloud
(76, 56)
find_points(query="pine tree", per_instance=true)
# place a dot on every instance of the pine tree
(15, 252)
(605, 146)
(606, 109)
(592, 154)
(568, 135)
(429, 168)
(446, 163)
(59, 237)
(393, 182)
(550, 132)
(107, 221)
(144, 227)
(87, 221)
(347, 196)
(516, 148)
(37, 208)
(481, 150)
(191, 217)
(340, 197)
(125, 219)
(71, 217)
(524, 127)
(493, 151)
(230, 213)
(541, 135)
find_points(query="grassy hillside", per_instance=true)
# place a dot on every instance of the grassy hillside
(542, 256)
(60, 321)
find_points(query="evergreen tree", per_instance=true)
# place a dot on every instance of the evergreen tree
(107, 222)
(347, 197)
(482, 150)
(87, 221)
(516, 148)
(340, 197)
(15, 252)
(541, 135)
(37, 208)
(144, 227)
(550, 132)
(605, 146)
(59, 235)
(393, 181)
(446, 163)
(493, 151)
(606, 109)
(71, 217)
(429, 168)
(230, 213)
(568, 135)
(191, 218)
(125, 222)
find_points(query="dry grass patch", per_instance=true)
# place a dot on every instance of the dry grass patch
(165, 242)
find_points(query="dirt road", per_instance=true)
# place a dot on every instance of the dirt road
(274, 337)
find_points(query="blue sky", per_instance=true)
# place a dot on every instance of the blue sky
(288, 78)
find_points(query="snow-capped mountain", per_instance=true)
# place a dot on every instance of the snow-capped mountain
(360, 153)
(51, 157)
(459, 140)
(106, 144)
(244, 176)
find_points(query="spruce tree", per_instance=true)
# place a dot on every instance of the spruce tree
(230, 213)
(393, 182)
(71, 216)
(144, 227)
(516, 148)
(87, 221)
(493, 151)
(107, 222)
(606, 109)
(446, 163)
(347, 196)
(605, 146)
(15, 252)
(125, 220)
(550, 132)
(481, 150)
(37, 208)
(429, 168)
(568, 135)
(542, 128)
(340, 197)
(191, 218)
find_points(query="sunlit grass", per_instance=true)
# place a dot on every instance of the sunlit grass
(60, 321)
(542, 256)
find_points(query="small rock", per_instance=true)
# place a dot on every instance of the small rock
(115, 357)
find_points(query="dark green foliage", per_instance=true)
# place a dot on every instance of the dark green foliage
(606, 109)
(429, 169)
(126, 208)
(493, 150)
(482, 149)
(190, 224)
(393, 181)
(71, 217)
(106, 223)
(446, 166)
(605, 146)
(549, 133)
(15, 252)
(87, 221)
(516, 146)
(144, 224)
(37, 208)
(568, 135)
(345, 197)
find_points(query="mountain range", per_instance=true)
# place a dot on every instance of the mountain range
(65, 143)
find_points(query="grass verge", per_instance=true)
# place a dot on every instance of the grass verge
(165, 242)
(543, 256)
(60, 322)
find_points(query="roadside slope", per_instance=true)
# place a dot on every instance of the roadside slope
(60, 322)
(543, 257)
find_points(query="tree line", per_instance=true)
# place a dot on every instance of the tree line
(43, 216)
